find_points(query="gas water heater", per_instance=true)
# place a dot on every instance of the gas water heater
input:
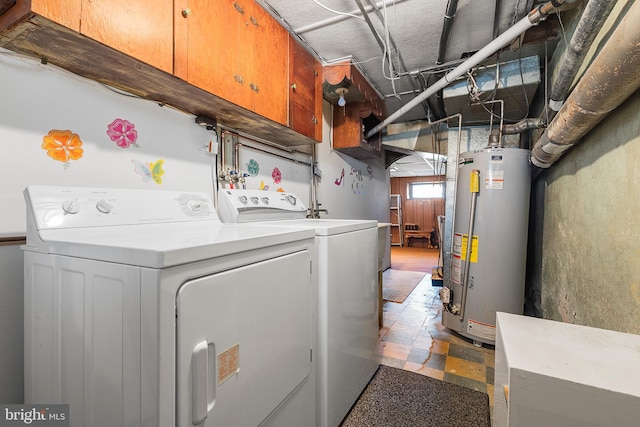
(488, 270)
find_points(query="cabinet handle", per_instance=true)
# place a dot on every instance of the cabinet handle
(293, 87)
(314, 120)
(186, 12)
(238, 78)
(239, 8)
(254, 21)
(254, 87)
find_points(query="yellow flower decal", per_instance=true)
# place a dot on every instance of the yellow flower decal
(62, 145)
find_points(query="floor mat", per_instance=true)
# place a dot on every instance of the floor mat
(395, 397)
(398, 284)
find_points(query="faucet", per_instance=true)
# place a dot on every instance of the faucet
(315, 213)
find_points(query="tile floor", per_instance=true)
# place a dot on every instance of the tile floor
(413, 338)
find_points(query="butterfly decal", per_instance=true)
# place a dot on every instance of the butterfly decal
(149, 171)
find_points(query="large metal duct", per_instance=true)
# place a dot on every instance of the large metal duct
(612, 77)
(533, 18)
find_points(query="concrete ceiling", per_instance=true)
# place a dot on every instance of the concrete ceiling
(408, 32)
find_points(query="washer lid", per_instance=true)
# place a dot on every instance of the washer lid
(148, 228)
(166, 244)
(329, 227)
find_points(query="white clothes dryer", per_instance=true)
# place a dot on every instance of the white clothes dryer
(346, 293)
(143, 309)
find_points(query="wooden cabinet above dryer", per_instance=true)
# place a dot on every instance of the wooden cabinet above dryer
(305, 91)
(234, 49)
(129, 45)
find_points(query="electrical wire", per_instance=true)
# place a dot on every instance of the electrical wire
(338, 12)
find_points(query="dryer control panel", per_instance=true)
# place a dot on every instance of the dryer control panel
(240, 205)
(51, 207)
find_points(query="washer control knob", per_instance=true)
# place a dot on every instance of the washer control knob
(71, 206)
(265, 200)
(254, 200)
(289, 198)
(104, 206)
(243, 199)
(195, 205)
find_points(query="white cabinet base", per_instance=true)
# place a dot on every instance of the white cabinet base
(551, 373)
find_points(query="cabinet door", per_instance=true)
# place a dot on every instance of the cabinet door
(305, 91)
(235, 50)
(138, 28)
(268, 74)
(65, 13)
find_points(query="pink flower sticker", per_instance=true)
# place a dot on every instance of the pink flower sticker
(276, 175)
(123, 133)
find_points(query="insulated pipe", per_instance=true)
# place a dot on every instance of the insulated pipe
(449, 14)
(612, 77)
(534, 17)
(591, 21)
(514, 129)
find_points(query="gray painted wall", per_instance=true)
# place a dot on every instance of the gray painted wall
(583, 254)
(11, 324)
(590, 258)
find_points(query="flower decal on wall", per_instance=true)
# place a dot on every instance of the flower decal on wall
(63, 146)
(149, 171)
(253, 167)
(276, 175)
(123, 133)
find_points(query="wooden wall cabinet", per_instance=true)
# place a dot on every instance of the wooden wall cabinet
(364, 109)
(350, 125)
(65, 13)
(130, 27)
(235, 50)
(139, 29)
(305, 91)
(130, 46)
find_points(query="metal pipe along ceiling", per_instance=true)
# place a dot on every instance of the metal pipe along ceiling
(535, 16)
(591, 21)
(612, 77)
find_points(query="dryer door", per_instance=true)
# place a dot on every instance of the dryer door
(243, 342)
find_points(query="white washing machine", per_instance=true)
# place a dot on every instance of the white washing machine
(143, 309)
(346, 293)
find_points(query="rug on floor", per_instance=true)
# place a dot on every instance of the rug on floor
(395, 397)
(398, 284)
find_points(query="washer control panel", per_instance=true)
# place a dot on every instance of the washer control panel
(53, 207)
(239, 205)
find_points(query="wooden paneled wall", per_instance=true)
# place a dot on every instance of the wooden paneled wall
(422, 212)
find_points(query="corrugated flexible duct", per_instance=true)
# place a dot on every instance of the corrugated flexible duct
(612, 77)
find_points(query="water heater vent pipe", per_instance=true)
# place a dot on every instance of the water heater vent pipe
(533, 18)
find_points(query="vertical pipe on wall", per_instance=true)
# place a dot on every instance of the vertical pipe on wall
(612, 77)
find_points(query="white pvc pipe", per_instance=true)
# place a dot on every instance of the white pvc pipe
(501, 41)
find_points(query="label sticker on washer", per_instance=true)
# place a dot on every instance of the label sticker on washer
(228, 363)
(481, 330)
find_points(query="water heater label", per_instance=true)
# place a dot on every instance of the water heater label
(474, 248)
(494, 180)
(456, 269)
(481, 330)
